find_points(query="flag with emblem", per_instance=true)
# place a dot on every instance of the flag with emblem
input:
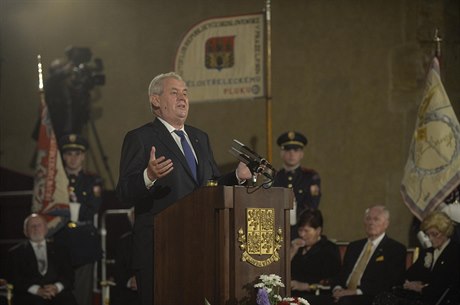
(433, 168)
(223, 58)
(50, 194)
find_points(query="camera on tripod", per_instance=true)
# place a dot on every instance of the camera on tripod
(86, 73)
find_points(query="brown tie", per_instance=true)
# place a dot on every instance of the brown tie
(360, 267)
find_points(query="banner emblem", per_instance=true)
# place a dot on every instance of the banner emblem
(220, 52)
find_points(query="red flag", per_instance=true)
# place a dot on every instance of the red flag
(51, 196)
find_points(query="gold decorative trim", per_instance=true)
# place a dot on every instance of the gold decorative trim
(261, 238)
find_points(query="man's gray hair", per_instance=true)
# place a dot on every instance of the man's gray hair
(28, 218)
(383, 209)
(156, 85)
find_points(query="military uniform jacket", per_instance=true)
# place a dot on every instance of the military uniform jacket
(306, 184)
(83, 240)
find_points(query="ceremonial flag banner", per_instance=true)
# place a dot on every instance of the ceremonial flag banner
(223, 58)
(433, 168)
(51, 196)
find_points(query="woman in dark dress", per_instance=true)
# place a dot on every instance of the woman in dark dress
(314, 259)
(436, 271)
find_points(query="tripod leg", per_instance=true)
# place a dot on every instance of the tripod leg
(101, 151)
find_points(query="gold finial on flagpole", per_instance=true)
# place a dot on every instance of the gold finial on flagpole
(437, 40)
(40, 73)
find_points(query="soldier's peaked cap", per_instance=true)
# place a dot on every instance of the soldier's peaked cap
(292, 140)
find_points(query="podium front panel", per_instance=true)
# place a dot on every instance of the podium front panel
(197, 252)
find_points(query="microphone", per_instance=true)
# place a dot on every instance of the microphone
(255, 163)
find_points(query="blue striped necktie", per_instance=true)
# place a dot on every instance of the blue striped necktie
(188, 153)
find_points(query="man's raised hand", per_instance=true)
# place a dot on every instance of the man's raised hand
(158, 167)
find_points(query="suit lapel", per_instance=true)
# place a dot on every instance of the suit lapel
(442, 257)
(30, 257)
(163, 135)
(379, 249)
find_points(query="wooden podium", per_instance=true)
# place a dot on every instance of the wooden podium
(215, 243)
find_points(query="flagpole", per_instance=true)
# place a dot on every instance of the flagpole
(40, 77)
(268, 105)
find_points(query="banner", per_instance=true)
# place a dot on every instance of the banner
(223, 58)
(432, 170)
(50, 196)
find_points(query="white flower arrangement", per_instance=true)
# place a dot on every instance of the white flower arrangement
(268, 292)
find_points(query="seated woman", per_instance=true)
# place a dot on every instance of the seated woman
(314, 259)
(436, 269)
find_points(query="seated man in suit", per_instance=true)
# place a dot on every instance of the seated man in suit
(39, 270)
(371, 265)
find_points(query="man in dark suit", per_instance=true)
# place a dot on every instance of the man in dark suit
(161, 162)
(40, 271)
(371, 265)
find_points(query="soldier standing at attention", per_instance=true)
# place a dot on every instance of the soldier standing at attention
(305, 182)
(80, 235)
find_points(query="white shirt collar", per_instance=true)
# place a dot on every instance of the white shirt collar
(439, 251)
(377, 241)
(169, 126)
(35, 244)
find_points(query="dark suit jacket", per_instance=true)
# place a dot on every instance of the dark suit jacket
(167, 190)
(385, 269)
(23, 270)
(445, 273)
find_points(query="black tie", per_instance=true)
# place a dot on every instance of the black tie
(187, 152)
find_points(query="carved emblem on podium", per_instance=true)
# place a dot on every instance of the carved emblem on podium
(261, 244)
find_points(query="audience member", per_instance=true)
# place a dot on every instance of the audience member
(314, 259)
(306, 183)
(80, 235)
(450, 206)
(125, 290)
(436, 269)
(161, 162)
(371, 265)
(39, 270)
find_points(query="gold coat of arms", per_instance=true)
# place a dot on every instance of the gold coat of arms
(261, 244)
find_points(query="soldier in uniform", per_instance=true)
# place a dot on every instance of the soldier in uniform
(80, 235)
(305, 182)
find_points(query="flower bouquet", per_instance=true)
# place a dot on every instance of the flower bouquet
(268, 292)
